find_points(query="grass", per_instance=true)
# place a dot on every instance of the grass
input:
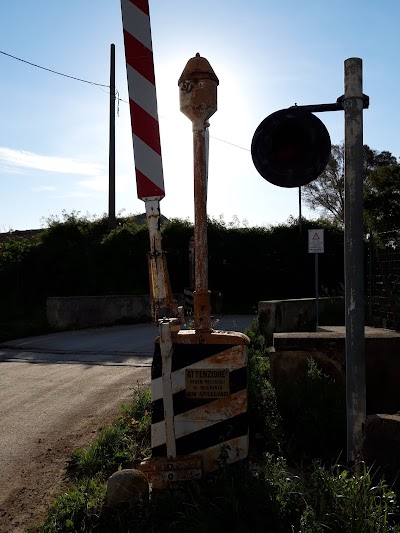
(269, 494)
(268, 498)
(313, 410)
(79, 509)
(121, 445)
(338, 499)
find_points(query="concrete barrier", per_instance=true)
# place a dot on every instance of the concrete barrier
(279, 316)
(91, 311)
(291, 351)
(382, 444)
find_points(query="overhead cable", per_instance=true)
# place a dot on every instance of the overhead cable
(53, 71)
(99, 85)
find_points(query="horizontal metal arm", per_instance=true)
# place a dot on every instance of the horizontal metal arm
(337, 106)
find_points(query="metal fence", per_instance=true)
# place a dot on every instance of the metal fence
(383, 278)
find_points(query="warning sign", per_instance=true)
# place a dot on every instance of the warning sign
(315, 241)
(207, 383)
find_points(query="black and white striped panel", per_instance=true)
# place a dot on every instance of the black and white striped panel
(202, 426)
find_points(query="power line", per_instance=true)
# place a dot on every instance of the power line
(54, 71)
(211, 136)
(232, 144)
(99, 85)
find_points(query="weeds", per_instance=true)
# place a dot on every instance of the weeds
(78, 510)
(264, 417)
(340, 500)
(268, 496)
(313, 411)
(124, 443)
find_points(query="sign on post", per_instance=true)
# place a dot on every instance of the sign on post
(316, 246)
(315, 241)
(210, 384)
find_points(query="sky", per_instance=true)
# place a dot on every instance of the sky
(267, 55)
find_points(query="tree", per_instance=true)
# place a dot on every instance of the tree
(382, 199)
(374, 160)
(326, 193)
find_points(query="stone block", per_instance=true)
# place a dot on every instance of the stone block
(127, 486)
(327, 347)
(381, 446)
(276, 316)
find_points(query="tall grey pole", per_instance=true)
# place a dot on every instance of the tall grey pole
(316, 292)
(300, 210)
(111, 156)
(354, 257)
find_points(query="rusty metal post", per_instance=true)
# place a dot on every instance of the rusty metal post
(201, 295)
(166, 354)
(161, 297)
(354, 257)
(198, 101)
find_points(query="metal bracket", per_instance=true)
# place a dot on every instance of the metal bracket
(336, 106)
(163, 473)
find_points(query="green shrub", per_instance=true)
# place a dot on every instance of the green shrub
(264, 418)
(79, 255)
(239, 499)
(272, 498)
(347, 502)
(78, 510)
(245, 497)
(313, 409)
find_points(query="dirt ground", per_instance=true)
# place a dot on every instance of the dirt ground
(34, 451)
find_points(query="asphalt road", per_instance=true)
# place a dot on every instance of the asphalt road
(55, 392)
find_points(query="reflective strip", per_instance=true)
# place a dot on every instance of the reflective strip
(232, 359)
(139, 57)
(143, 99)
(146, 189)
(136, 22)
(143, 91)
(148, 162)
(202, 417)
(145, 127)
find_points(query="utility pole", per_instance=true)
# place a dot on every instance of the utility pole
(111, 157)
(300, 228)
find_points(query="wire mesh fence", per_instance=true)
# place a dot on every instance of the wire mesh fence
(383, 278)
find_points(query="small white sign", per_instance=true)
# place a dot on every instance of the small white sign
(315, 241)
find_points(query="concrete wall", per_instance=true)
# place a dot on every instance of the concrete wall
(382, 360)
(278, 316)
(91, 311)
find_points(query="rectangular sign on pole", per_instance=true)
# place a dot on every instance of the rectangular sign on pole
(315, 241)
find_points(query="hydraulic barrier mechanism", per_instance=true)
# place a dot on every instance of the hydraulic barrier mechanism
(146, 145)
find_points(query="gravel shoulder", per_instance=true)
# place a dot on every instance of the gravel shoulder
(49, 410)
(56, 391)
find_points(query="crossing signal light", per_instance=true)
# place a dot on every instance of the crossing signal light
(291, 147)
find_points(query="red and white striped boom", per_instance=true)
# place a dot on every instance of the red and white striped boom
(142, 99)
(146, 144)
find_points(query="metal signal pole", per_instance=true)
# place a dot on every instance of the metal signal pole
(354, 257)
